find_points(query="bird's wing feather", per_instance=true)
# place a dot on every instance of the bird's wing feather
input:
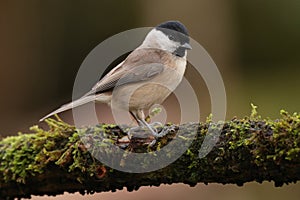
(140, 65)
(140, 73)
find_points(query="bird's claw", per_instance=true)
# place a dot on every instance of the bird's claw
(165, 130)
(138, 132)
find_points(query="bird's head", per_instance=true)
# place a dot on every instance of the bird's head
(170, 36)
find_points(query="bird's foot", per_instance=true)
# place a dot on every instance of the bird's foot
(160, 130)
(151, 132)
(163, 131)
(141, 135)
(167, 129)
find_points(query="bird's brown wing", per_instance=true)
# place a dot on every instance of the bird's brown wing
(140, 65)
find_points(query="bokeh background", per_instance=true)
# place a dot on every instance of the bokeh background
(255, 44)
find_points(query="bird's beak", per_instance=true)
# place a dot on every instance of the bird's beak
(187, 46)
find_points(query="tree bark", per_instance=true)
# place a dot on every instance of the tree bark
(58, 160)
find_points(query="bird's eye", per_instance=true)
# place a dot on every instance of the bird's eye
(171, 37)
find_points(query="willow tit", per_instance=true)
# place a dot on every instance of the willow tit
(146, 77)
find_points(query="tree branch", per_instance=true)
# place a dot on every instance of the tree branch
(50, 162)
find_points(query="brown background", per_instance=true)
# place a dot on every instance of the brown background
(255, 44)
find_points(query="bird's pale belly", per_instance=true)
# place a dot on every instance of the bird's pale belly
(156, 94)
(138, 96)
(142, 97)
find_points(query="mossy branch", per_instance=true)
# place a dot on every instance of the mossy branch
(50, 162)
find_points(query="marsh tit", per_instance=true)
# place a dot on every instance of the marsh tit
(146, 77)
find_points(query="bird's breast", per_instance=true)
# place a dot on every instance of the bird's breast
(144, 94)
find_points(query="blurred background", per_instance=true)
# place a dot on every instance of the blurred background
(255, 44)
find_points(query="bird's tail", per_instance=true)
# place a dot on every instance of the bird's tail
(83, 100)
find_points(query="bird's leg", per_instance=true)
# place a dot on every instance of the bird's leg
(156, 124)
(152, 129)
(139, 117)
(137, 129)
(165, 130)
(136, 118)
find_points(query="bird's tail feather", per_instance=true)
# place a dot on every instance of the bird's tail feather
(76, 103)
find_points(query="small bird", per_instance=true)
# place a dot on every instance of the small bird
(146, 77)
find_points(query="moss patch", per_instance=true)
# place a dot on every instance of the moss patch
(249, 149)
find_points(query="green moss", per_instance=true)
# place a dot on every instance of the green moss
(249, 143)
(29, 154)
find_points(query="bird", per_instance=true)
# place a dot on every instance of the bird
(147, 76)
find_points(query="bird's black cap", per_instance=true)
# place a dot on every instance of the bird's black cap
(176, 30)
(173, 25)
